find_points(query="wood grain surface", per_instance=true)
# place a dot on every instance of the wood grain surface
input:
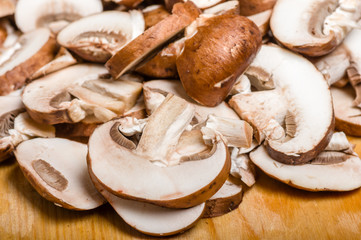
(270, 210)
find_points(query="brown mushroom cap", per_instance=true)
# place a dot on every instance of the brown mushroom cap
(217, 53)
(251, 7)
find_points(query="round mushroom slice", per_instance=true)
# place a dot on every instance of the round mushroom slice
(138, 50)
(342, 176)
(216, 52)
(313, 27)
(32, 51)
(151, 219)
(57, 169)
(301, 101)
(53, 14)
(97, 37)
(155, 171)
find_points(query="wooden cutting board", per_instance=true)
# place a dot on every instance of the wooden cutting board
(270, 210)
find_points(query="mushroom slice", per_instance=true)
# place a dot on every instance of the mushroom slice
(62, 60)
(314, 27)
(262, 20)
(346, 172)
(97, 37)
(53, 14)
(215, 54)
(224, 201)
(151, 219)
(145, 178)
(242, 166)
(252, 7)
(153, 14)
(7, 7)
(57, 169)
(228, 7)
(79, 93)
(136, 51)
(126, 3)
(348, 117)
(33, 50)
(155, 90)
(301, 101)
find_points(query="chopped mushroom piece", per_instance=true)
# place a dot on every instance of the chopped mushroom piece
(57, 169)
(184, 185)
(242, 167)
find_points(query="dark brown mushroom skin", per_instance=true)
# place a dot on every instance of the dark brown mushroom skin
(152, 17)
(251, 7)
(218, 53)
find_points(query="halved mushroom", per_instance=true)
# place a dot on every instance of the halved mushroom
(343, 166)
(314, 27)
(151, 219)
(348, 117)
(217, 51)
(252, 7)
(7, 7)
(301, 102)
(53, 14)
(189, 181)
(57, 169)
(225, 200)
(79, 93)
(136, 51)
(62, 60)
(153, 14)
(32, 51)
(97, 37)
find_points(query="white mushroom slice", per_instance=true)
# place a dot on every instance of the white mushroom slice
(8, 35)
(126, 170)
(97, 37)
(303, 100)
(33, 50)
(57, 169)
(25, 125)
(338, 142)
(126, 3)
(62, 60)
(348, 117)
(242, 85)
(238, 133)
(346, 175)
(227, 7)
(30, 15)
(155, 90)
(138, 110)
(242, 167)
(136, 51)
(7, 7)
(99, 98)
(225, 200)
(151, 219)
(314, 27)
(262, 20)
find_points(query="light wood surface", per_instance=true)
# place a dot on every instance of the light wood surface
(270, 210)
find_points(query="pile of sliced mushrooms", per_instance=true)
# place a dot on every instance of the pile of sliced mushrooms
(166, 109)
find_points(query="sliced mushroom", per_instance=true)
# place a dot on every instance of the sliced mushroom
(184, 185)
(62, 60)
(215, 54)
(348, 117)
(126, 3)
(153, 14)
(262, 20)
(242, 167)
(53, 14)
(228, 7)
(33, 50)
(8, 38)
(131, 55)
(97, 37)
(224, 201)
(301, 101)
(314, 27)
(344, 168)
(7, 7)
(151, 219)
(79, 93)
(75, 131)
(155, 91)
(252, 7)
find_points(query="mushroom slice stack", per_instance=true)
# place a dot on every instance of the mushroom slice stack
(53, 14)
(136, 51)
(79, 93)
(216, 52)
(338, 161)
(151, 219)
(301, 102)
(57, 169)
(97, 37)
(31, 52)
(314, 27)
(155, 170)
